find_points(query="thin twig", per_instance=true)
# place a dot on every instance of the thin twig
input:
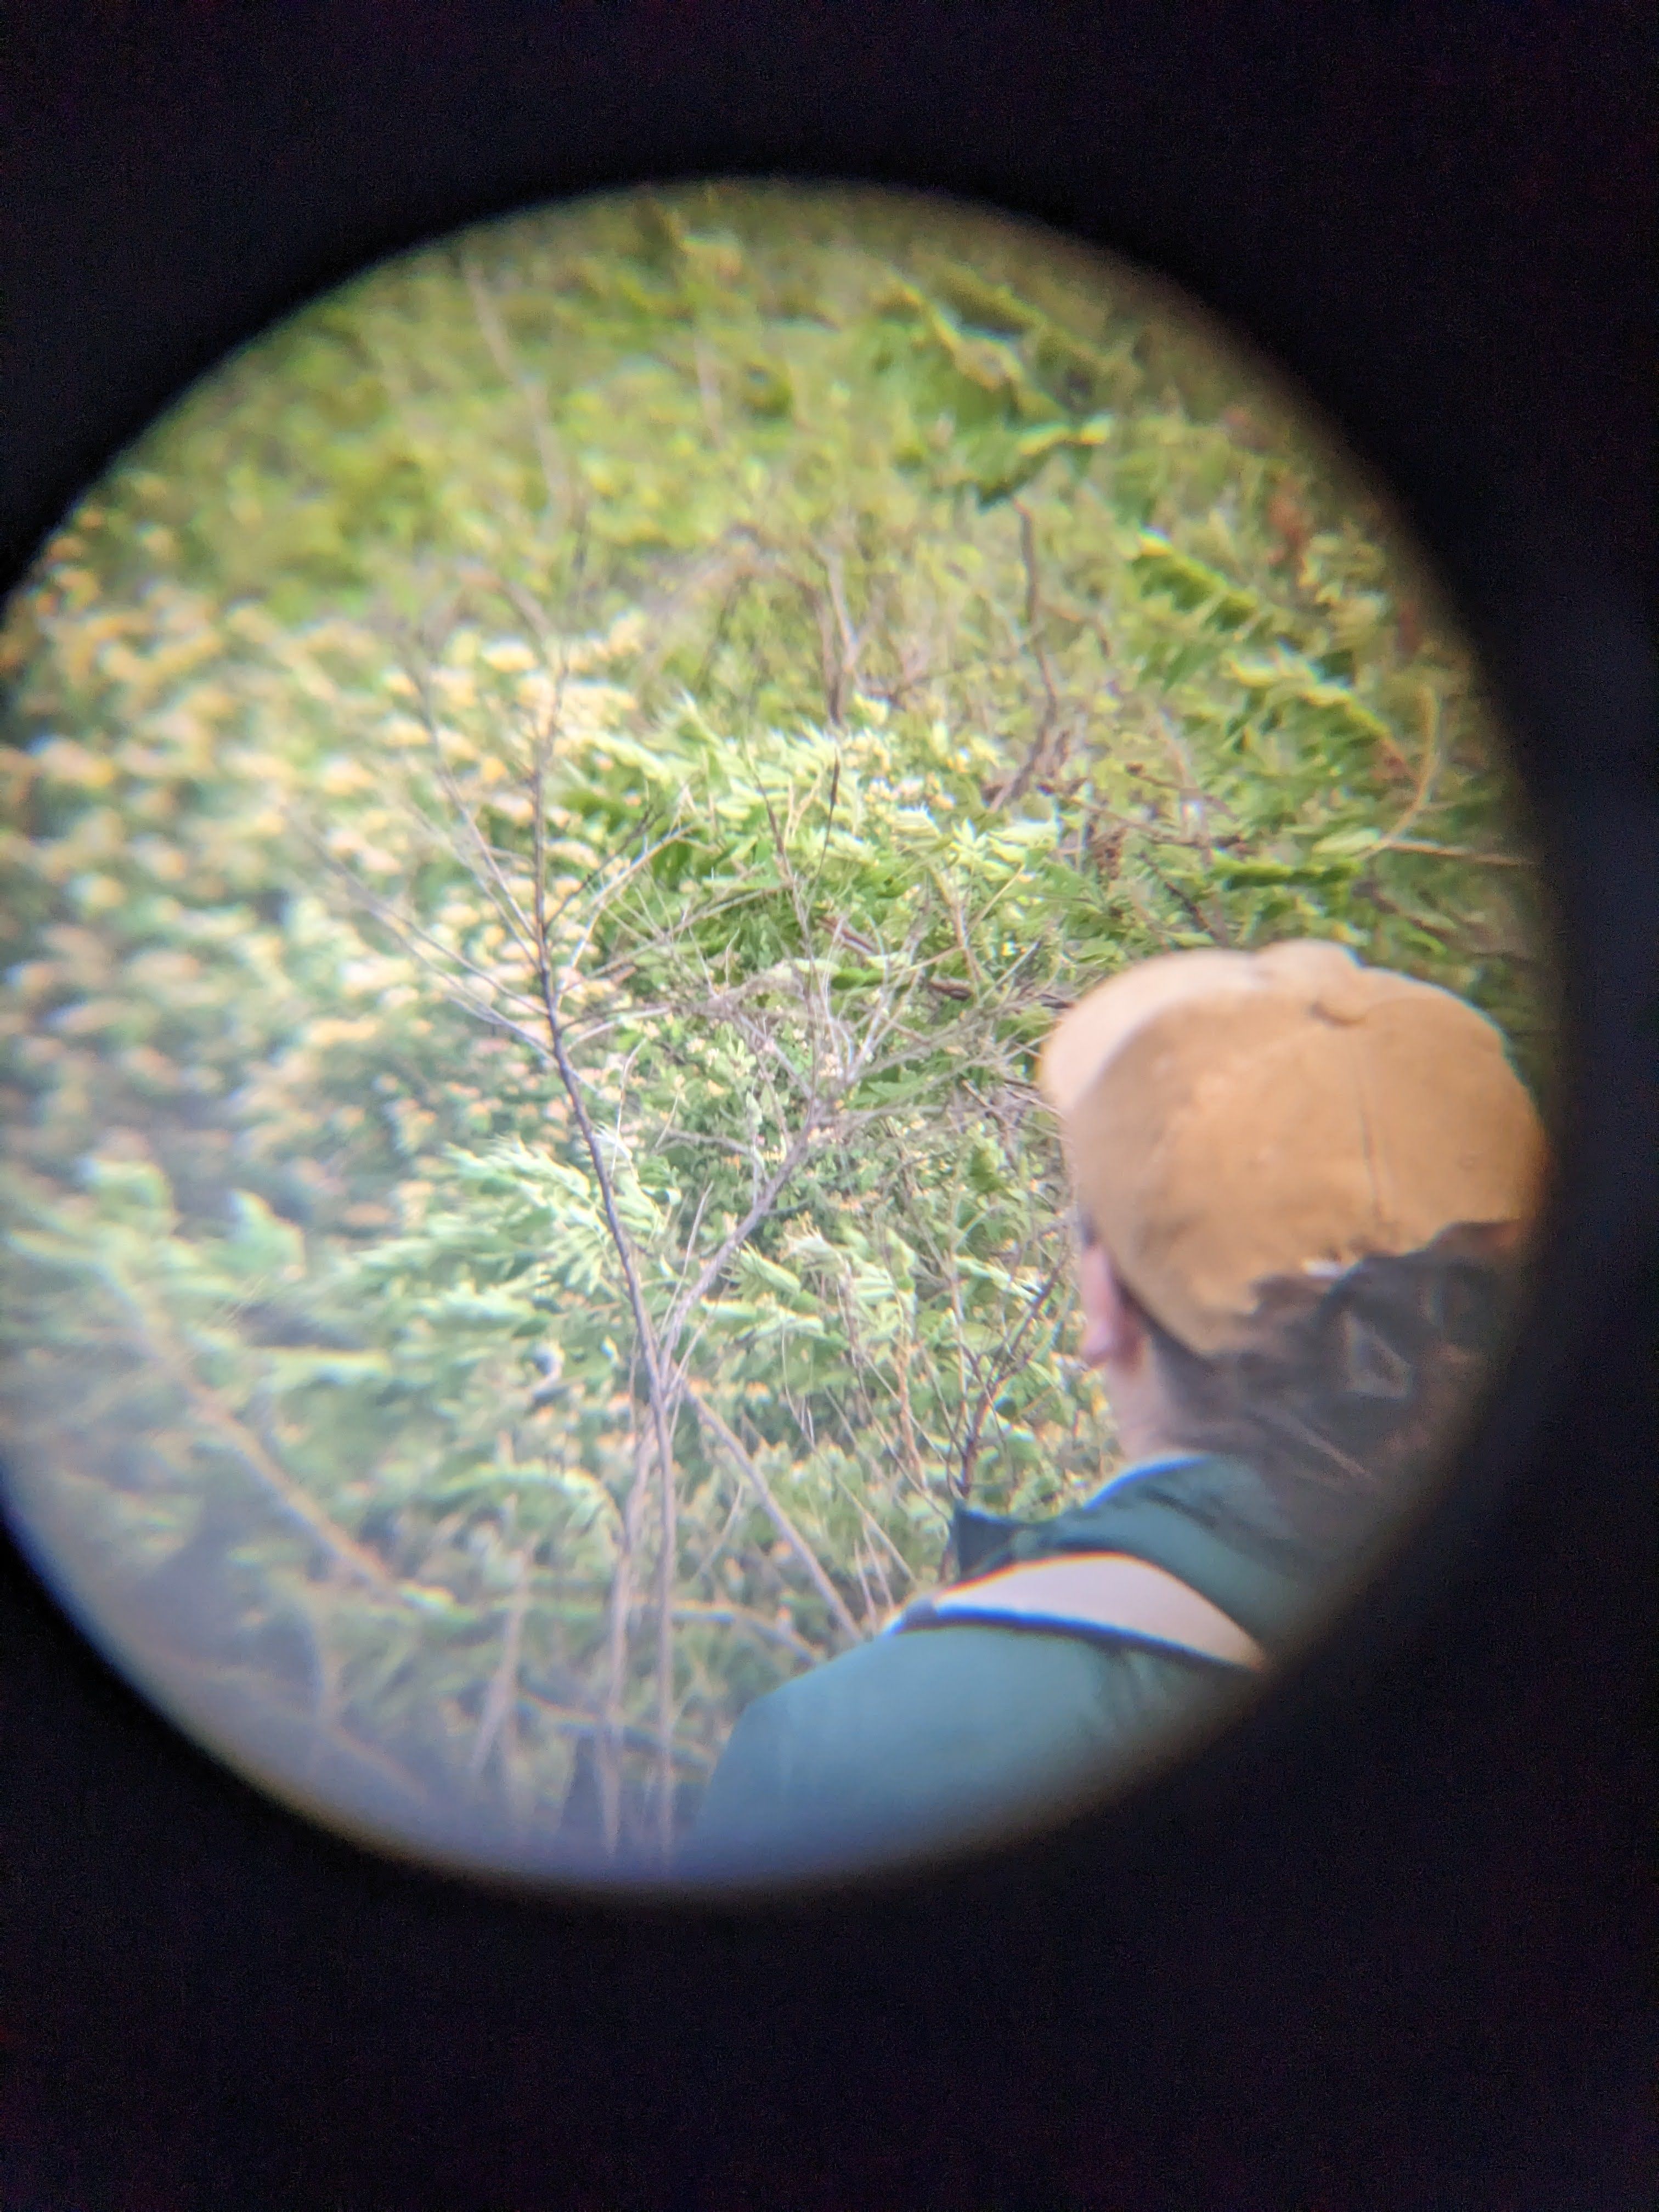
(553, 475)
(645, 1334)
(220, 1416)
(1002, 1372)
(502, 1695)
(780, 1520)
(618, 1621)
(1034, 613)
(1456, 852)
(715, 1266)
(1427, 770)
(501, 892)
(1188, 906)
(738, 1616)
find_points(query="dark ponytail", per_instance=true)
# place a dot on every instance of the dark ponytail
(1356, 1388)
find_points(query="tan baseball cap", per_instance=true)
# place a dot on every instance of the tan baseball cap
(1229, 1117)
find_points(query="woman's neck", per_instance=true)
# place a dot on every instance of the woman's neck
(1141, 1413)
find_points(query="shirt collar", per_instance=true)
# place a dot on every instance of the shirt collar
(1155, 1465)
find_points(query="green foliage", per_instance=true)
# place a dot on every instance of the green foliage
(862, 631)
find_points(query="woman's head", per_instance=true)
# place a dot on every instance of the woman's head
(1350, 1390)
(1305, 1187)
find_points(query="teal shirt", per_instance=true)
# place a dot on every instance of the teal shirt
(927, 1736)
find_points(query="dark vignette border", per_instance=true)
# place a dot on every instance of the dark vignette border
(1379, 1942)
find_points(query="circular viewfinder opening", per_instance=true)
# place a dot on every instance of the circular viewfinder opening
(774, 1019)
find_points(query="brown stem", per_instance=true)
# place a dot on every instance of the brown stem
(715, 1266)
(1028, 553)
(553, 475)
(1427, 770)
(1456, 852)
(780, 1520)
(1016, 786)
(1001, 1372)
(645, 1334)
(608, 1744)
(494, 1720)
(220, 1416)
(738, 1616)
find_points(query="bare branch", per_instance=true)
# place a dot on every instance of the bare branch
(495, 1720)
(1016, 785)
(1002, 1372)
(608, 891)
(222, 1418)
(738, 1616)
(715, 1266)
(780, 1520)
(1428, 767)
(506, 904)
(1396, 844)
(645, 1334)
(1034, 615)
(554, 476)
(619, 1617)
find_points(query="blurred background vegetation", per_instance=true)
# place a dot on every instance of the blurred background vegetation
(548, 806)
